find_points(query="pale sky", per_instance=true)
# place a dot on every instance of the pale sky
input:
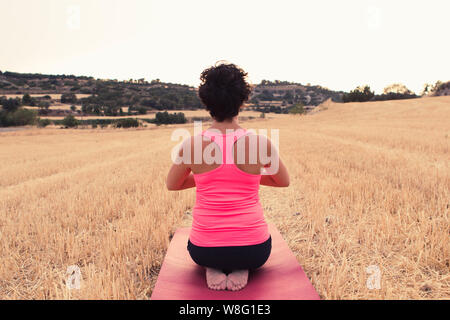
(336, 44)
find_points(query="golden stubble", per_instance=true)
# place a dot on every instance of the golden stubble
(369, 186)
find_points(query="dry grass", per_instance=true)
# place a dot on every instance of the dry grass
(369, 186)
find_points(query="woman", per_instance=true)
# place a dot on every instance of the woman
(229, 235)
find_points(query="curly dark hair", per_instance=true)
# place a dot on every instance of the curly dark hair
(223, 90)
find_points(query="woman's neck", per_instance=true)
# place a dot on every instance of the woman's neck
(224, 125)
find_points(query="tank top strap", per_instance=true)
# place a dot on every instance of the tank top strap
(216, 136)
(226, 140)
(209, 134)
(229, 141)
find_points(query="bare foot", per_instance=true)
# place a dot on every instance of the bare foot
(216, 279)
(237, 280)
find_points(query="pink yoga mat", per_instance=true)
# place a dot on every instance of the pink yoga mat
(281, 277)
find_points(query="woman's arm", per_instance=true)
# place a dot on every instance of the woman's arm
(180, 176)
(280, 178)
(267, 181)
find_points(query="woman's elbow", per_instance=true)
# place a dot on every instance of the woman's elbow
(171, 186)
(284, 184)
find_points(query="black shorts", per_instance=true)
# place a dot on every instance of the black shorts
(231, 258)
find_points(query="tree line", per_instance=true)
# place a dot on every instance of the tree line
(161, 118)
(13, 114)
(394, 92)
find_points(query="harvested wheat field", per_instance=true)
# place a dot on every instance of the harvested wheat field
(370, 186)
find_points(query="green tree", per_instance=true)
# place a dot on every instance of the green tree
(180, 118)
(27, 100)
(142, 110)
(68, 98)
(70, 122)
(426, 89)
(360, 94)
(42, 123)
(127, 123)
(11, 105)
(297, 109)
(22, 117)
(166, 118)
(397, 88)
(43, 107)
(97, 110)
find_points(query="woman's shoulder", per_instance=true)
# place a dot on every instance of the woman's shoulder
(261, 139)
(189, 145)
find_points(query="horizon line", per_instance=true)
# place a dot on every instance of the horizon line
(308, 84)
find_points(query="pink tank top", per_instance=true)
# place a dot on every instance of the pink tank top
(227, 210)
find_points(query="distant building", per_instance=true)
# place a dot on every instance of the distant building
(270, 103)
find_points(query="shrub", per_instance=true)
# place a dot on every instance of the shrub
(394, 96)
(26, 100)
(167, 118)
(193, 119)
(126, 123)
(360, 94)
(297, 109)
(68, 98)
(397, 88)
(3, 120)
(148, 103)
(86, 90)
(10, 104)
(441, 88)
(42, 123)
(70, 122)
(20, 117)
(142, 110)
(43, 107)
